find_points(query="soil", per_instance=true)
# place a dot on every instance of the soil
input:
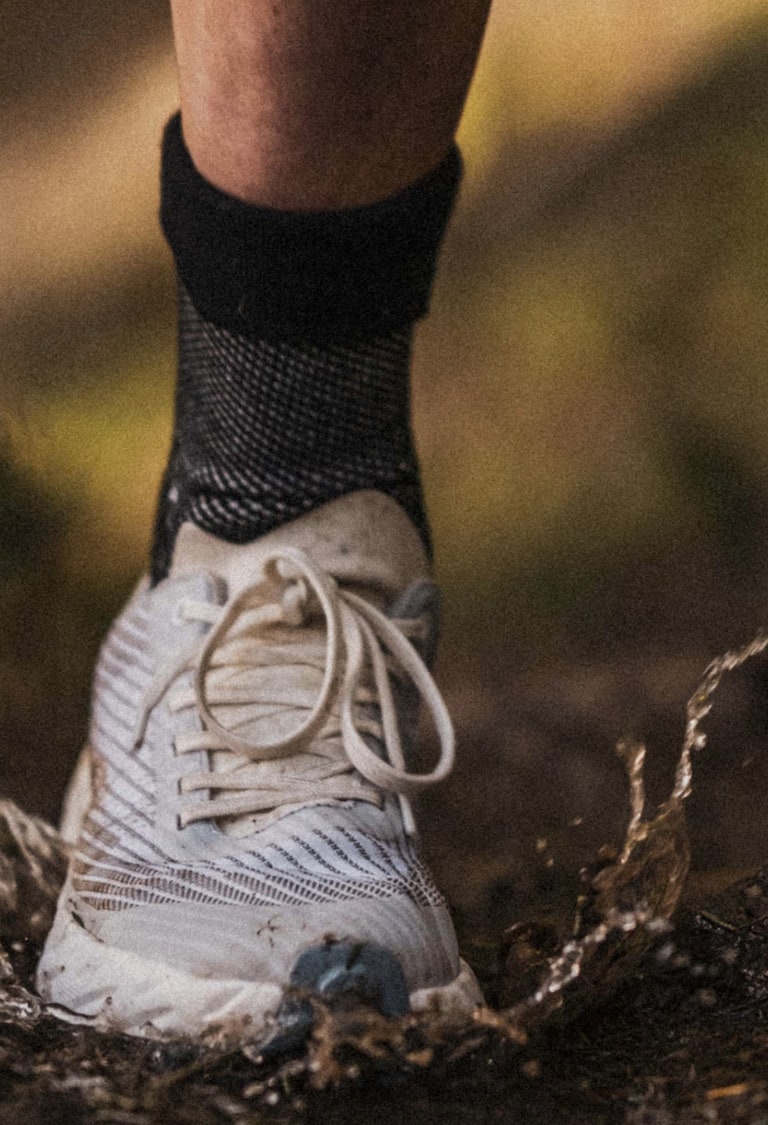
(686, 1039)
(680, 1034)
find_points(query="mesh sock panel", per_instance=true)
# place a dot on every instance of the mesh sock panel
(267, 430)
(294, 348)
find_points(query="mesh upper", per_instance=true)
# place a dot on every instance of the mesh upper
(314, 855)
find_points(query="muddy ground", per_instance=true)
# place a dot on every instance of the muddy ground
(682, 1035)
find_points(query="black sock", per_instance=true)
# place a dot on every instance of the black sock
(294, 348)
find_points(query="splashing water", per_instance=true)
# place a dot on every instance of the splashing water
(33, 863)
(631, 899)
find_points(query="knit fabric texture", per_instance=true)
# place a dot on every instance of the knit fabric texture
(265, 431)
(294, 351)
(304, 275)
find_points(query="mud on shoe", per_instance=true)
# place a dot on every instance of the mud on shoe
(243, 797)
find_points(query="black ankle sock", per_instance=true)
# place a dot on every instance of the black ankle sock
(294, 347)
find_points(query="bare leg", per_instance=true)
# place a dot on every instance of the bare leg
(303, 105)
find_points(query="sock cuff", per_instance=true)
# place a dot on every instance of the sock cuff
(312, 275)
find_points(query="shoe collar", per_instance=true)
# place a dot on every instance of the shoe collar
(364, 539)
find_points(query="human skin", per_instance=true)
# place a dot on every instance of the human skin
(322, 104)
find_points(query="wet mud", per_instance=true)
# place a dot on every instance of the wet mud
(634, 1009)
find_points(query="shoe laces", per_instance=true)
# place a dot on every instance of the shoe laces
(297, 644)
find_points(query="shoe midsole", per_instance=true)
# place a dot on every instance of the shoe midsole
(117, 990)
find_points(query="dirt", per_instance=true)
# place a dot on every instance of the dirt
(679, 1035)
(685, 1040)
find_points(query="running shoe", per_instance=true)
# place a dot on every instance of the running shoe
(243, 798)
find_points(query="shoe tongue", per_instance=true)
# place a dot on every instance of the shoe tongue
(364, 539)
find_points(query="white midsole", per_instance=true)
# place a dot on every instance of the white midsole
(83, 978)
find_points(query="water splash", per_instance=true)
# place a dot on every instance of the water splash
(631, 897)
(700, 705)
(33, 863)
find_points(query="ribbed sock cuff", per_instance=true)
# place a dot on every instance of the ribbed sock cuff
(304, 275)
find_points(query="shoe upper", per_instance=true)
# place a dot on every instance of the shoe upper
(251, 725)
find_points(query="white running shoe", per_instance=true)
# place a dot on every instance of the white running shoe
(244, 796)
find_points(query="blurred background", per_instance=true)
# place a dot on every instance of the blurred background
(590, 394)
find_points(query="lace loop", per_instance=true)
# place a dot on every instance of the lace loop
(363, 624)
(288, 612)
(294, 593)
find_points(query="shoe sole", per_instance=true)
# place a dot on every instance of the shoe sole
(83, 980)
